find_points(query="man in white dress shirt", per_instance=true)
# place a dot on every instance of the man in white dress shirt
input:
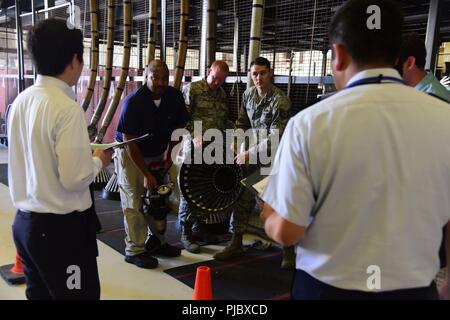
(363, 177)
(51, 166)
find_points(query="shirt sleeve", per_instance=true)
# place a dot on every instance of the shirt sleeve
(76, 166)
(182, 116)
(289, 190)
(243, 122)
(128, 121)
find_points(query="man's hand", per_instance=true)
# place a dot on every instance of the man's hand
(104, 155)
(150, 182)
(242, 158)
(444, 291)
(266, 212)
(198, 142)
(445, 81)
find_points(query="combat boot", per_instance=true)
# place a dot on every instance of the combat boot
(187, 240)
(234, 249)
(288, 261)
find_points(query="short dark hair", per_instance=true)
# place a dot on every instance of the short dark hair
(348, 28)
(260, 61)
(413, 45)
(52, 46)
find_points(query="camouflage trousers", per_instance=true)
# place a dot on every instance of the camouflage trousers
(244, 206)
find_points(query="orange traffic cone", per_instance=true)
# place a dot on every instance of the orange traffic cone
(17, 268)
(202, 289)
(13, 273)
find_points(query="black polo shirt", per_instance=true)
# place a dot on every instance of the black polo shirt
(140, 115)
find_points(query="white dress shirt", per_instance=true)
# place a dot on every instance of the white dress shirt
(50, 159)
(367, 171)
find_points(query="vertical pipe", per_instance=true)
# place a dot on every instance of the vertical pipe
(20, 70)
(152, 34)
(48, 4)
(211, 33)
(163, 29)
(236, 54)
(255, 35)
(274, 58)
(33, 22)
(432, 35)
(94, 54)
(324, 62)
(182, 43)
(139, 51)
(291, 60)
(33, 13)
(203, 50)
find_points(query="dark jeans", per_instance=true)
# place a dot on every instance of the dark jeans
(306, 287)
(59, 254)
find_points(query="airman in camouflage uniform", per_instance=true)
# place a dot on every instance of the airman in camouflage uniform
(265, 107)
(209, 107)
(206, 101)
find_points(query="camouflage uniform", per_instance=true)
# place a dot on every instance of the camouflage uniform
(211, 108)
(268, 113)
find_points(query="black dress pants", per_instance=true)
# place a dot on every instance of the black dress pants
(59, 254)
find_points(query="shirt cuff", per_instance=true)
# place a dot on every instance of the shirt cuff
(253, 151)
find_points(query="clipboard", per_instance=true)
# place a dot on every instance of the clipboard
(115, 145)
(256, 183)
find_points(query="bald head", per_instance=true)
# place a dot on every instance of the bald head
(158, 64)
(158, 78)
(217, 74)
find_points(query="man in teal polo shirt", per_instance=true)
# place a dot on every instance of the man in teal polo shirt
(411, 66)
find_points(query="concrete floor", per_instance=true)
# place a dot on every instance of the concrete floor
(119, 280)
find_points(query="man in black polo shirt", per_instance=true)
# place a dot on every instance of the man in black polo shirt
(157, 109)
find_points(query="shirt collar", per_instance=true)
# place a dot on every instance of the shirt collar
(268, 94)
(369, 73)
(52, 81)
(206, 87)
(424, 82)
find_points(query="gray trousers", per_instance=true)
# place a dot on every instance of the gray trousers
(186, 214)
(131, 186)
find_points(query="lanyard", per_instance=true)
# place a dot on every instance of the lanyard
(374, 80)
